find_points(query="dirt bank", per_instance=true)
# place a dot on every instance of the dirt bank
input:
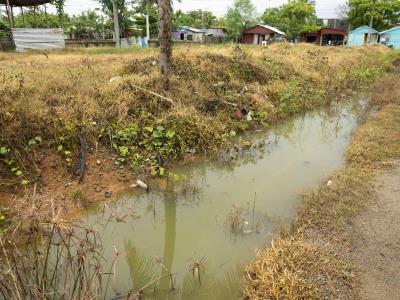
(376, 233)
(345, 241)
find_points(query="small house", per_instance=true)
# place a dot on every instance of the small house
(359, 36)
(215, 35)
(262, 33)
(325, 36)
(189, 34)
(390, 37)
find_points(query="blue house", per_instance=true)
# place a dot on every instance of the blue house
(390, 37)
(359, 36)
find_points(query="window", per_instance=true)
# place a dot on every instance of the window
(189, 37)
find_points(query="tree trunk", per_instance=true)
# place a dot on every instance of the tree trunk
(164, 36)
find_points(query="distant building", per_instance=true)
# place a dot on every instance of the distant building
(325, 37)
(260, 33)
(195, 35)
(359, 36)
(216, 34)
(390, 37)
(190, 34)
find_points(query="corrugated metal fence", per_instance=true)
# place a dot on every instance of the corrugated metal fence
(38, 38)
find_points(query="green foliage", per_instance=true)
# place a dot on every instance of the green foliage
(140, 145)
(293, 18)
(239, 17)
(124, 13)
(87, 22)
(6, 156)
(288, 102)
(195, 18)
(364, 75)
(139, 18)
(59, 4)
(37, 19)
(310, 28)
(385, 13)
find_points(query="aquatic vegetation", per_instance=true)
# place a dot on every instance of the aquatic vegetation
(60, 258)
(196, 267)
(235, 219)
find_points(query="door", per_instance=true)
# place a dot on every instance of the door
(255, 38)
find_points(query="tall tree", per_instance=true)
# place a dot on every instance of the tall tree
(384, 13)
(195, 18)
(297, 15)
(59, 4)
(293, 17)
(165, 37)
(239, 17)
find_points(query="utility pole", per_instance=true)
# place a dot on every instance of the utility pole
(116, 24)
(147, 29)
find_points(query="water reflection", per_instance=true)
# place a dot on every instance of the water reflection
(169, 239)
(178, 223)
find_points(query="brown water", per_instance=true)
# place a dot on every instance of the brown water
(160, 232)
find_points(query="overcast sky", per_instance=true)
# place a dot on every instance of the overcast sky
(325, 8)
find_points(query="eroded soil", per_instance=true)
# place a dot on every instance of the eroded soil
(103, 181)
(376, 234)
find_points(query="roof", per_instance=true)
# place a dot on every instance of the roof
(187, 28)
(333, 30)
(273, 29)
(391, 29)
(364, 27)
(25, 2)
(326, 29)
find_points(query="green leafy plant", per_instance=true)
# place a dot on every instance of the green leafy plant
(5, 156)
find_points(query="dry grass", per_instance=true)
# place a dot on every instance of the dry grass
(60, 259)
(55, 95)
(377, 143)
(315, 248)
(283, 270)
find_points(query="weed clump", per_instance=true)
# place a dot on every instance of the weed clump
(296, 269)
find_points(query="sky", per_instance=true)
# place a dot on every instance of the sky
(324, 8)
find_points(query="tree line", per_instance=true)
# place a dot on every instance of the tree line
(293, 17)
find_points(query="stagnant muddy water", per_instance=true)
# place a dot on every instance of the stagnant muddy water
(182, 226)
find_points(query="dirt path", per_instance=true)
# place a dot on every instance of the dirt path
(377, 241)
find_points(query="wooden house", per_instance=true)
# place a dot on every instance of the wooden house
(360, 36)
(261, 33)
(189, 34)
(390, 37)
(324, 37)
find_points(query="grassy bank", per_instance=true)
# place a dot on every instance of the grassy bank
(49, 98)
(308, 261)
